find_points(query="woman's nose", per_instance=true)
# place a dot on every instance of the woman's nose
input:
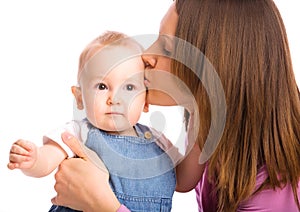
(150, 60)
(150, 56)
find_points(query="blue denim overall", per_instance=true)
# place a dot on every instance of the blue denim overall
(142, 175)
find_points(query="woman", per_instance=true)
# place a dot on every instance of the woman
(257, 157)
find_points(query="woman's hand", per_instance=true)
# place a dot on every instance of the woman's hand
(80, 184)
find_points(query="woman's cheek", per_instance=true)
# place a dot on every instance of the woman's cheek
(164, 64)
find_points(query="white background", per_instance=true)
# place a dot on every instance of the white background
(39, 49)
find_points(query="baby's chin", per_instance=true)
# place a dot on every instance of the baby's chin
(125, 131)
(117, 127)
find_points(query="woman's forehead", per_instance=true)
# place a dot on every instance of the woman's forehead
(169, 22)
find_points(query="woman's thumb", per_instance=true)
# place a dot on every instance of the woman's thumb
(82, 151)
(74, 144)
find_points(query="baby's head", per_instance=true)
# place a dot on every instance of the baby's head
(111, 83)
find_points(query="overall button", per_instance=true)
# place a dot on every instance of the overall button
(148, 135)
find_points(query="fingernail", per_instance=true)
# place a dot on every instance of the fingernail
(66, 136)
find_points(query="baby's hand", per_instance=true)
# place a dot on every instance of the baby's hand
(22, 155)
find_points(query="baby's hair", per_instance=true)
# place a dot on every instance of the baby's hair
(108, 37)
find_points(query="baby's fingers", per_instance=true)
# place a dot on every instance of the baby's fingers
(21, 155)
(16, 158)
(12, 166)
(20, 161)
(19, 149)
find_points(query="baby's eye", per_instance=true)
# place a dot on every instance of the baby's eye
(102, 86)
(130, 87)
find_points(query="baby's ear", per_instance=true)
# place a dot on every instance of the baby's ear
(78, 96)
(146, 107)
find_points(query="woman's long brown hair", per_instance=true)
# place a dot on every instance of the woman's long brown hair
(246, 42)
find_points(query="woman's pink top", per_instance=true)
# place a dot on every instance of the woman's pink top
(123, 208)
(279, 200)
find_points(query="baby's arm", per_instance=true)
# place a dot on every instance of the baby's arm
(35, 161)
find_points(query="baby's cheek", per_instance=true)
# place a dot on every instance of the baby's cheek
(91, 115)
(134, 114)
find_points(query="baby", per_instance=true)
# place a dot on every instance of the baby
(111, 90)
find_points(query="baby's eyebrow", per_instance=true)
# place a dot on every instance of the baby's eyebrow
(131, 80)
(99, 77)
(95, 79)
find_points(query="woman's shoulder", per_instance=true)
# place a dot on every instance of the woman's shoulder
(278, 199)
